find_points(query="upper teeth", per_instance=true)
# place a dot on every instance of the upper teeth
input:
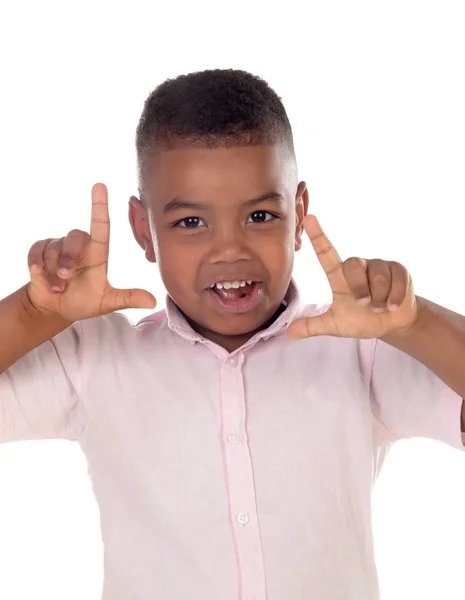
(231, 284)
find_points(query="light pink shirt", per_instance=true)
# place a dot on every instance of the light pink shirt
(228, 477)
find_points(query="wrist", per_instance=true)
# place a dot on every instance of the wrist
(32, 317)
(414, 329)
(23, 327)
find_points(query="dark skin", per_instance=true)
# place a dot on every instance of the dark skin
(236, 236)
(212, 213)
(247, 223)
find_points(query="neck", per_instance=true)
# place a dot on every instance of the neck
(232, 342)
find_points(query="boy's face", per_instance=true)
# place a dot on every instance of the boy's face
(222, 215)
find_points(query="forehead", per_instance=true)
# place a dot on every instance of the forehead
(209, 174)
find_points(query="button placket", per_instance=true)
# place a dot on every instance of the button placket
(240, 480)
(243, 518)
(233, 361)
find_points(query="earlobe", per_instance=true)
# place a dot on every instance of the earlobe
(139, 222)
(298, 238)
(301, 209)
(150, 253)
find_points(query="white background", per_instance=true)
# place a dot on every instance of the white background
(375, 94)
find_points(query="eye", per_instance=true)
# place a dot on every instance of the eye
(261, 216)
(190, 223)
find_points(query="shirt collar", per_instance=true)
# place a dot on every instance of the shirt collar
(292, 301)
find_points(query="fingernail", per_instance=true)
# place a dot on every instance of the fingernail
(56, 288)
(392, 307)
(63, 271)
(365, 300)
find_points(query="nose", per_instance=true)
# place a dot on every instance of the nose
(229, 244)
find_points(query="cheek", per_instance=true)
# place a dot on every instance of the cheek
(278, 251)
(290, 244)
(178, 263)
(288, 241)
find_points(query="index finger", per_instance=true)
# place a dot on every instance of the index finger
(326, 252)
(100, 218)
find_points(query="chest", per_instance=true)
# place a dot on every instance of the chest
(293, 415)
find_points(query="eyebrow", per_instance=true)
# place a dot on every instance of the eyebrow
(180, 203)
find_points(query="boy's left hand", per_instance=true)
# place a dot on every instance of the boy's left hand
(365, 295)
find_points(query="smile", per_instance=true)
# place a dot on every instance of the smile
(236, 296)
(227, 285)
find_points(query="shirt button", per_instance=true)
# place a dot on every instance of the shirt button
(233, 438)
(233, 361)
(243, 518)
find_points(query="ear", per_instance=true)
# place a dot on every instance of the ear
(301, 208)
(139, 220)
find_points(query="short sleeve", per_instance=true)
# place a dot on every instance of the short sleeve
(40, 393)
(411, 401)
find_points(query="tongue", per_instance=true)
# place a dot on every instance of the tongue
(235, 293)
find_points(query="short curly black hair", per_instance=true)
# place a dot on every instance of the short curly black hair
(212, 108)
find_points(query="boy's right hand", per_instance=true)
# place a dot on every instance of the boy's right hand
(82, 291)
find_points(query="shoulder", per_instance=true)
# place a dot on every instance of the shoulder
(118, 328)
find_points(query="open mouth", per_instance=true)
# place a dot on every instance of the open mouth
(231, 290)
(236, 296)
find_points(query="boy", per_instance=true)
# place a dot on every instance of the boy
(229, 461)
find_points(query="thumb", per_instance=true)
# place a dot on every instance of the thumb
(311, 326)
(131, 298)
